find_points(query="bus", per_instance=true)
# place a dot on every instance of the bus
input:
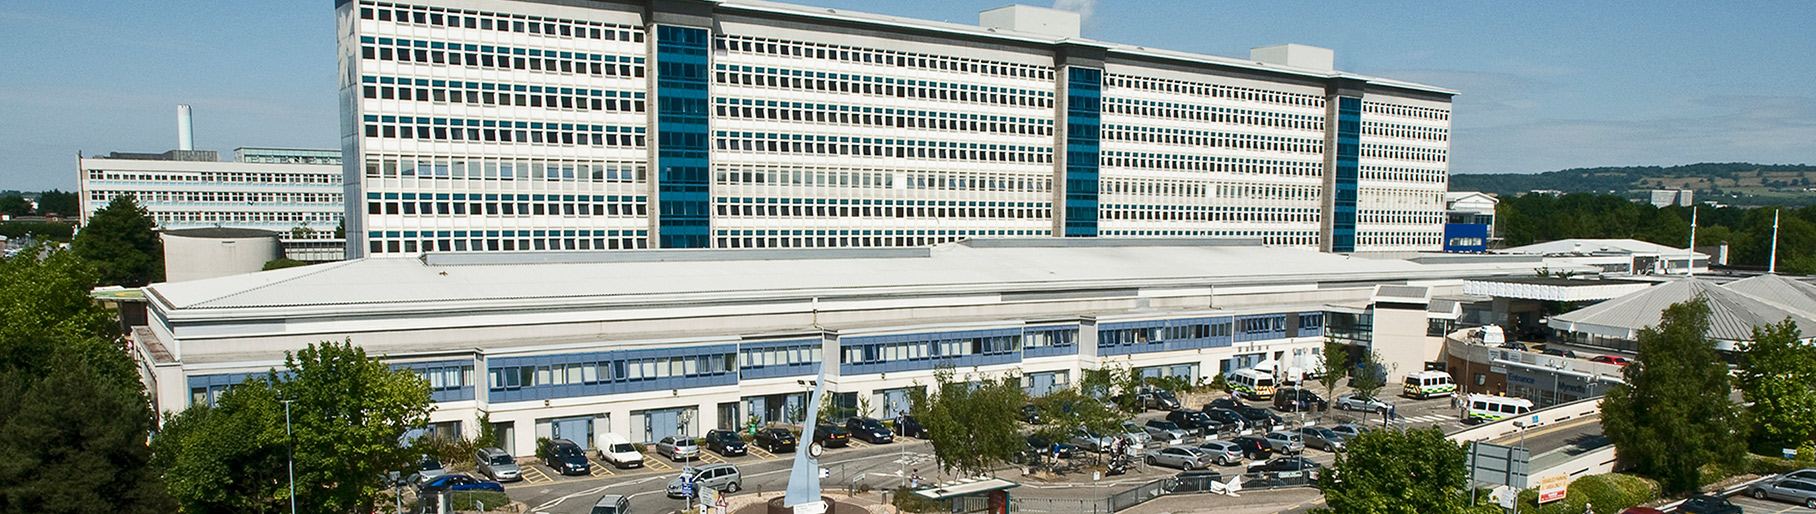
(1252, 384)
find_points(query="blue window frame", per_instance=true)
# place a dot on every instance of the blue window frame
(1260, 327)
(1049, 341)
(1311, 324)
(908, 352)
(512, 379)
(1130, 337)
(1084, 115)
(779, 358)
(449, 381)
(1346, 174)
(683, 210)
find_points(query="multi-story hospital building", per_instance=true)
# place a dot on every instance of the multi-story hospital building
(494, 125)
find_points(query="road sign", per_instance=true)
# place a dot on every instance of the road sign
(1494, 464)
(825, 472)
(1552, 488)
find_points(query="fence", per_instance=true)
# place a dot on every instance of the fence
(1188, 484)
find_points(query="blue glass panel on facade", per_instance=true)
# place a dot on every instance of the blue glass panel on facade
(1465, 237)
(542, 377)
(449, 381)
(1260, 327)
(207, 389)
(1346, 174)
(1084, 114)
(681, 157)
(910, 352)
(1131, 337)
(771, 359)
(1056, 341)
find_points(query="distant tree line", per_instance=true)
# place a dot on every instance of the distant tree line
(49, 202)
(1534, 218)
(1620, 179)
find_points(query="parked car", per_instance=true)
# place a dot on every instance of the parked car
(1611, 359)
(1707, 504)
(459, 482)
(1182, 457)
(870, 430)
(1195, 421)
(1290, 443)
(497, 465)
(1287, 465)
(678, 448)
(1084, 438)
(776, 440)
(1296, 399)
(1786, 489)
(830, 435)
(1263, 418)
(566, 458)
(1253, 447)
(618, 451)
(1349, 431)
(1356, 402)
(1803, 474)
(1230, 419)
(907, 426)
(427, 469)
(722, 477)
(726, 442)
(1138, 437)
(1560, 352)
(1195, 481)
(1157, 399)
(1165, 432)
(1043, 446)
(1030, 414)
(612, 504)
(1224, 403)
(1513, 345)
(1224, 453)
(1322, 438)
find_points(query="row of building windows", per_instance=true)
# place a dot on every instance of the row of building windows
(771, 143)
(584, 373)
(1201, 190)
(167, 217)
(567, 99)
(822, 114)
(1196, 138)
(847, 178)
(1213, 90)
(567, 134)
(603, 240)
(101, 196)
(219, 177)
(1375, 128)
(446, 378)
(393, 166)
(1406, 111)
(882, 86)
(616, 206)
(1412, 217)
(1271, 237)
(1129, 336)
(1398, 239)
(480, 20)
(1404, 174)
(800, 208)
(1404, 153)
(1377, 198)
(919, 350)
(858, 55)
(499, 58)
(1202, 113)
(779, 356)
(880, 238)
(1208, 213)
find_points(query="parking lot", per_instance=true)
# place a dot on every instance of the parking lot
(1753, 506)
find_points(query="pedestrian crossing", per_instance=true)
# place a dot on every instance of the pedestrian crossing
(1430, 418)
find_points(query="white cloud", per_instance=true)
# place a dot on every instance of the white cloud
(1084, 8)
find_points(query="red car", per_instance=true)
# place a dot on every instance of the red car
(1612, 359)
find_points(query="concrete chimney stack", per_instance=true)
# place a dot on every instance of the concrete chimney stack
(185, 129)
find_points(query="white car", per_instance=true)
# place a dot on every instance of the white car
(618, 451)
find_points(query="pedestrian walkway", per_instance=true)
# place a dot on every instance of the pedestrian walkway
(1430, 418)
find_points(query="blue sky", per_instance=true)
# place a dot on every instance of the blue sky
(1545, 84)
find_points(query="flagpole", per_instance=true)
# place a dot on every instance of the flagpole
(1772, 267)
(1690, 262)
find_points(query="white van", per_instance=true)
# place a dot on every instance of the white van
(1253, 384)
(1426, 384)
(1484, 408)
(618, 451)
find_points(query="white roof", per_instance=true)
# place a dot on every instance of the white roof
(1732, 313)
(641, 278)
(1588, 246)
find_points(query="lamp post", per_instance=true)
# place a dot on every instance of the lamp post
(290, 457)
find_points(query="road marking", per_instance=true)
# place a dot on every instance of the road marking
(711, 458)
(761, 453)
(534, 475)
(589, 492)
(658, 464)
(600, 469)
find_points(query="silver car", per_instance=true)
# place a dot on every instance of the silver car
(1182, 457)
(1786, 489)
(1137, 436)
(1322, 438)
(1224, 453)
(721, 476)
(678, 448)
(1348, 431)
(497, 465)
(1166, 432)
(1285, 442)
(1356, 402)
(1084, 438)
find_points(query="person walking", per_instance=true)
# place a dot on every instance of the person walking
(914, 479)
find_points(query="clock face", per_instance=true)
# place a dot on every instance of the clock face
(814, 450)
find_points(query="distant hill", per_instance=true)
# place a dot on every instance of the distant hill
(1735, 182)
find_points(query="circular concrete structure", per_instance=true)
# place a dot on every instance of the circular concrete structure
(198, 253)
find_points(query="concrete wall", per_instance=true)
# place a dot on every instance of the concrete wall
(195, 258)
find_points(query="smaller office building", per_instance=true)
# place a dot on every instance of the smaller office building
(1619, 256)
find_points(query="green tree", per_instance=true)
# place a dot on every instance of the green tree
(1370, 374)
(1334, 366)
(283, 262)
(15, 205)
(347, 413)
(1064, 410)
(1779, 377)
(58, 202)
(45, 308)
(1387, 472)
(967, 422)
(1672, 415)
(122, 242)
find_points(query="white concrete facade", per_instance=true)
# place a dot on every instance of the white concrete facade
(179, 194)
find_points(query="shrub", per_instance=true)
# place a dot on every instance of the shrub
(905, 499)
(545, 447)
(1608, 493)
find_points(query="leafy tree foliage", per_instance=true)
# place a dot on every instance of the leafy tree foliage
(972, 425)
(348, 412)
(1748, 231)
(58, 202)
(15, 205)
(1779, 377)
(1620, 179)
(1673, 414)
(1064, 410)
(1388, 472)
(45, 308)
(1334, 367)
(40, 230)
(1370, 374)
(1115, 382)
(119, 239)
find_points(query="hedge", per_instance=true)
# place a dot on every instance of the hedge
(1608, 493)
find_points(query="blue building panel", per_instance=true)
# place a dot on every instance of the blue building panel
(1311, 324)
(1132, 337)
(682, 162)
(1059, 341)
(1465, 237)
(543, 377)
(449, 381)
(924, 351)
(772, 359)
(1347, 174)
(1260, 327)
(1084, 116)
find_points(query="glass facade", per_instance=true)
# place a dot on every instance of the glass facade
(1084, 110)
(683, 168)
(1346, 174)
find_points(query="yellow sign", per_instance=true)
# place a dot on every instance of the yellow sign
(1552, 488)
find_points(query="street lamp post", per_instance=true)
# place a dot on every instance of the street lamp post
(290, 457)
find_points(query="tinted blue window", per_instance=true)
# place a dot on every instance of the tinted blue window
(1349, 150)
(1084, 109)
(681, 157)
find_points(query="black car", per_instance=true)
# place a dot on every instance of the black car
(1030, 414)
(1706, 504)
(1560, 352)
(1230, 419)
(566, 458)
(1061, 450)
(1254, 448)
(1158, 399)
(870, 430)
(1292, 399)
(726, 442)
(1195, 420)
(1224, 403)
(1195, 481)
(776, 440)
(907, 426)
(1261, 417)
(1286, 465)
(831, 436)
